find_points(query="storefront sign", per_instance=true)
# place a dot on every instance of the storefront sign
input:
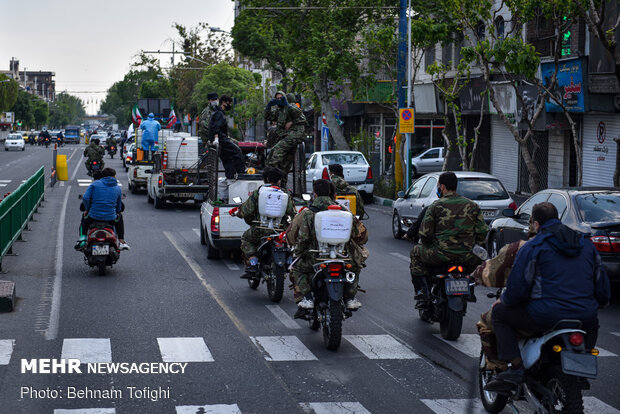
(601, 135)
(569, 87)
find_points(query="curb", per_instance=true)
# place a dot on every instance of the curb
(383, 201)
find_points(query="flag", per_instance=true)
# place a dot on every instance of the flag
(172, 119)
(135, 115)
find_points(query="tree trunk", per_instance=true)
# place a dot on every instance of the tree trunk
(534, 176)
(617, 170)
(322, 93)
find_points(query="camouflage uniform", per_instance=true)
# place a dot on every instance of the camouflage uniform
(305, 240)
(203, 126)
(250, 240)
(283, 153)
(94, 153)
(344, 189)
(450, 229)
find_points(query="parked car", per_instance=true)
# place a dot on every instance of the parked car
(357, 171)
(594, 211)
(428, 161)
(14, 141)
(486, 190)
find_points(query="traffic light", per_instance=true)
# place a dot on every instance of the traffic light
(19, 123)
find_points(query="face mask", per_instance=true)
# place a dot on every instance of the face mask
(227, 107)
(438, 192)
(282, 101)
(214, 104)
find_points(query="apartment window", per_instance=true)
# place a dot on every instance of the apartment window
(480, 31)
(458, 44)
(446, 54)
(429, 57)
(500, 27)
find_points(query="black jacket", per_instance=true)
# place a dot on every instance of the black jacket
(218, 125)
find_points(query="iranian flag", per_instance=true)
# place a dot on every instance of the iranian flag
(172, 119)
(135, 115)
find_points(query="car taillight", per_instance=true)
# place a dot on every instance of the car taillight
(215, 220)
(369, 174)
(325, 175)
(94, 162)
(575, 339)
(606, 244)
(135, 172)
(513, 206)
(100, 235)
(160, 182)
(334, 269)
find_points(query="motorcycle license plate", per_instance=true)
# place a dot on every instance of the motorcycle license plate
(457, 286)
(581, 365)
(101, 250)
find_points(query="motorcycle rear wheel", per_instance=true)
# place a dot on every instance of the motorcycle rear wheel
(493, 402)
(275, 286)
(101, 268)
(332, 325)
(565, 389)
(451, 324)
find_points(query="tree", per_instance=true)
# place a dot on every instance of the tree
(8, 92)
(24, 108)
(41, 113)
(65, 110)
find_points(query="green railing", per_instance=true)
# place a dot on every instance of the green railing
(17, 209)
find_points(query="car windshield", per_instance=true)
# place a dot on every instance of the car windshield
(599, 206)
(479, 189)
(344, 158)
(14, 137)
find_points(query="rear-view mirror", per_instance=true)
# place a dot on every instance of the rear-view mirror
(401, 194)
(508, 212)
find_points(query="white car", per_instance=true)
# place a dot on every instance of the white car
(14, 141)
(357, 171)
(430, 160)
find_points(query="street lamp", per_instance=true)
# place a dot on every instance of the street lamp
(195, 58)
(217, 29)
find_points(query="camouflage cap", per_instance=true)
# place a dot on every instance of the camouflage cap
(281, 93)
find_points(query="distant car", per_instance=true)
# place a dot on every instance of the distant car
(428, 161)
(594, 211)
(128, 156)
(14, 141)
(484, 189)
(357, 171)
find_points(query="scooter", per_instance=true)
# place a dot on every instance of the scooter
(112, 151)
(94, 166)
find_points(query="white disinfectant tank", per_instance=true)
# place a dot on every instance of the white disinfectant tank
(182, 151)
(272, 202)
(333, 226)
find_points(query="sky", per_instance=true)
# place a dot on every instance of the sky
(90, 44)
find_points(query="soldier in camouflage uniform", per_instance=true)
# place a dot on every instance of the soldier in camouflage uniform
(251, 239)
(451, 227)
(205, 116)
(290, 122)
(305, 241)
(336, 174)
(94, 152)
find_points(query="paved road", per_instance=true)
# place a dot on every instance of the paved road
(165, 301)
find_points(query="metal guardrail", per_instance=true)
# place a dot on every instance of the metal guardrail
(17, 209)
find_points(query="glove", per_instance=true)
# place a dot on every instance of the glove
(281, 237)
(216, 141)
(272, 102)
(233, 211)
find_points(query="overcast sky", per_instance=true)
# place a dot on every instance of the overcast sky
(90, 43)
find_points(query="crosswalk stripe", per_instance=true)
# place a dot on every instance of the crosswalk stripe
(455, 406)
(401, 256)
(3, 185)
(594, 405)
(283, 348)
(283, 317)
(208, 409)
(5, 181)
(380, 347)
(84, 180)
(334, 408)
(184, 350)
(6, 350)
(87, 349)
(85, 411)
(469, 344)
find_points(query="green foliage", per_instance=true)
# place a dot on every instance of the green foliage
(385, 187)
(65, 110)
(363, 141)
(8, 92)
(41, 113)
(24, 108)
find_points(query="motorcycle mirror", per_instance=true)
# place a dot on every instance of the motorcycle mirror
(237, 200)
(306, 197)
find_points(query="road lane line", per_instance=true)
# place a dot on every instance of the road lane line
(334, 408)
(605, 353)
(283, 317)
(87, 349)
(77, 167)
(594, 405)
(200, 275)
(72, 154)
(197, 231)
(231, 265)
(380, 347)
(454, 406)
(283, 348)
(401, 256)
(208, 409)
(85, 411)
(52, 330)
(6, 350)
(469, 344)
(184, 350)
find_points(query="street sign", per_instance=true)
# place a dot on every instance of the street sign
(324, 138)
(406, 124)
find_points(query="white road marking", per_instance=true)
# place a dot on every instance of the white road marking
(184, 350)
(283, 317)
(208, 409)
(5, 181)
(334, 408)
(87, 349)
(469, 344)
(84, 182)
(85, 411)
(615, 333)
(401, 256)
(52, 329)
(197, 231)
(77, 167)
(380, 347)
(455, 406)
(594, 405)
(6, 350)
(231, 265)
(605, 353)
(61, 184)
(3, 185)
(283, 348)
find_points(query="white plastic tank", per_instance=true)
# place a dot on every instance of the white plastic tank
(240, 188)
(182, 151)
(333, 227)
(272, 202)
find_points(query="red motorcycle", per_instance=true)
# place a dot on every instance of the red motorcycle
(101, 246)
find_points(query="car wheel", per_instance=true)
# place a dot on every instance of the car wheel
(397, 229)
(414, 171)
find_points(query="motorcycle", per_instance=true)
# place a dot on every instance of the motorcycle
(47, 142)
(112, 151)
(94, 166)
(332, 272)
(273, 258)
(557, 369)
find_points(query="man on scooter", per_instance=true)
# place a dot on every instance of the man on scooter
(556, 275)
(94, 152)
(103, 202)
